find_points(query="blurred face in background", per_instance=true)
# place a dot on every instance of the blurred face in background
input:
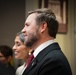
(3, 59)
(20, 50)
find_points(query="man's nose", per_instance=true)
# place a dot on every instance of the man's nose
(23, 30)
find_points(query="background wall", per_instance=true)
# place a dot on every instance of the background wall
(12, 17)
(75, 34)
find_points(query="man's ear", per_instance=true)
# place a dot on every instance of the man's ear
(43, 27)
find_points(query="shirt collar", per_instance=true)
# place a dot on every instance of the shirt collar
(42, 46)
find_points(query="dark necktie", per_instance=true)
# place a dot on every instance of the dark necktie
(30, 59)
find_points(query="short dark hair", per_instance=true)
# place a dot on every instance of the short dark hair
(6, 50)
(45, 14)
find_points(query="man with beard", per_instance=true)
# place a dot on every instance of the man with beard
(40, 30)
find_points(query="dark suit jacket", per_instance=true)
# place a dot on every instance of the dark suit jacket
(6, 70)
(50, 61)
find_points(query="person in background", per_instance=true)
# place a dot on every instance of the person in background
(40, 30)
(6, 56)
(21, 52)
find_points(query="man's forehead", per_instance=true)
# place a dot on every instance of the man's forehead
(31, 17)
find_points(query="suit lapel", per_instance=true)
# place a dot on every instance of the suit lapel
(49, 48)
(41, 55)
(32, 64)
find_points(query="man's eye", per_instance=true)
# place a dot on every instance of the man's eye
(26, 24)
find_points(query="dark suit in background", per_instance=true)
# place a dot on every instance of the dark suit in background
(6, 69)
(6, 56)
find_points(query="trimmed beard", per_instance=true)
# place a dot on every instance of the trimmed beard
(32, 39)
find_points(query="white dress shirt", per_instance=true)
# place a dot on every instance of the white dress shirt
(42, 46)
